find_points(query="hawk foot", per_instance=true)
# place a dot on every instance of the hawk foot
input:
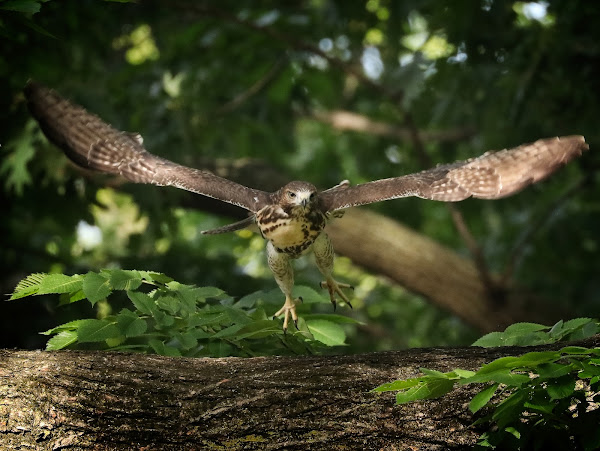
(288, 309)
(336, 288)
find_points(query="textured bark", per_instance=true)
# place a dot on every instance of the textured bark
(101, 400)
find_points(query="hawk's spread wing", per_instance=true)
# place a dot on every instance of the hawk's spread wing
(92, 143)
(490, 176)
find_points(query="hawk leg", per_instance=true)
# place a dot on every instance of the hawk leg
(281, 266)
(324, 257)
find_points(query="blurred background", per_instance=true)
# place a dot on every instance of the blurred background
(266, 92)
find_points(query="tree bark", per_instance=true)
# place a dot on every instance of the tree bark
(100, 400)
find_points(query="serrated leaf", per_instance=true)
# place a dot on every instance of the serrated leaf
(524, 328)
(130, 324)
(124, 280)
(96, 287)
(28, 286)
(259, 329)
(71, 325)
(60, 283)
(61, 340)
(481, 399)
(70, 298)
(96, 330)
(187, 340)
(228, 331)
(155, 277)
(168, 303)
(144, 303)
(327, 332)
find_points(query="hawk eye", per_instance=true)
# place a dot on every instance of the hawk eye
(312, 195)
(291, 194)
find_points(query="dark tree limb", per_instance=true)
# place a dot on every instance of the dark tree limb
(101, 400)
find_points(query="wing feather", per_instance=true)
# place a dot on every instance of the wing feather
(491, 176)
(92, 143)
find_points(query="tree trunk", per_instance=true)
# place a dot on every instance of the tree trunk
(101, 400)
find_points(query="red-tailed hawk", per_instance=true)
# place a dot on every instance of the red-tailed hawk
(292, 219)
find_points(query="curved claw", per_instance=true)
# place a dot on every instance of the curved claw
(288, 310)
(336, 288)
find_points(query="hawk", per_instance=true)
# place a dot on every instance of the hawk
(292, 219)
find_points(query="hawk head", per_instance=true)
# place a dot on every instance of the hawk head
(298, 195)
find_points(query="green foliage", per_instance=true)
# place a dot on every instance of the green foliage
(202, 81)
(166, 317)
(538, 400)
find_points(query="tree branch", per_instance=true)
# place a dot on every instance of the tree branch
(348, 120)
(103, 401)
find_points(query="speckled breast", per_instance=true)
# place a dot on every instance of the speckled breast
(292, 233)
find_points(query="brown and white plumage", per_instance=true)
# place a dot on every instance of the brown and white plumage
(292, 219)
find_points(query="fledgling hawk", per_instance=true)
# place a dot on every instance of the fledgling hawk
(292, 219)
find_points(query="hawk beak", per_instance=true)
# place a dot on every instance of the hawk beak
(305, 201)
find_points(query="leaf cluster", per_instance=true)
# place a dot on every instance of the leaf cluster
(532, 401)
(170, 318)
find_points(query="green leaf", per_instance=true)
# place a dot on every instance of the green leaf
(433, 373)
(124, 280)
(309, 296)
(187, 340)
(561, 387)
(61, 340)
(524, 328)
(327, 332)
(162, 349)
(96, 287)
(491, 340)
(155, 277)
(168, 303)
(401, 384)
(464, 373)
(259, 329)
(28, 286)
(432, 388)
(552, 370)
(22, 6)
(96, 330)
(510, 409)
(144, 303)
(575, 350)
(71, 325)
(60, 283)
(481, 399)
(130, 324)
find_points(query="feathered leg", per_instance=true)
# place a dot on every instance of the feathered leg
(324, 257)
(281, 266)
